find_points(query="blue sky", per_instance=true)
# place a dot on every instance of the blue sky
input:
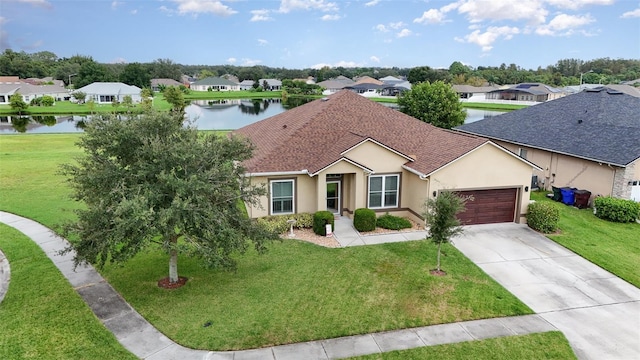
(313, 33)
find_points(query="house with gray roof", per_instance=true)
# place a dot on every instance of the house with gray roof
(336, 84)
(532, 92)
(472, 93)
(10, 85)
(589, 140)
(107, 92)
(214, 83)
(157, 84)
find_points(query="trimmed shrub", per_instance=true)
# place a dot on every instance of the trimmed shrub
(364, 219)
(616, 210)
(391, 222)
(47, 100)
(278, 223)
(320, 220)
(543, 216)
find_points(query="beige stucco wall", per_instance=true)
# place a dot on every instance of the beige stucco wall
(414, 193)
(569, 171)
(487, 167)
(376, 157)
(304, 201)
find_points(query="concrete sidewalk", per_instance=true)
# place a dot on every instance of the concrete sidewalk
(144, 341)
(347, 235)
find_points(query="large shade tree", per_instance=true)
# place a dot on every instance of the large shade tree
(434, 103)
(151, 180)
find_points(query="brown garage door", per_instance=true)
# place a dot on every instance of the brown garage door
(489, 206)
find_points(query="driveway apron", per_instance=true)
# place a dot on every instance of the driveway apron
(598, 312)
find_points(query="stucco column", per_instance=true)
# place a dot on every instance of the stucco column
(360, 190)
(321, 192)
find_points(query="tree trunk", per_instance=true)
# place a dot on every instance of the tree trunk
(438, 267)
(173, 261)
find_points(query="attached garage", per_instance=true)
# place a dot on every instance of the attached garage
(489, 206)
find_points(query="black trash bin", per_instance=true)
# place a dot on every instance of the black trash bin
(557, 195)
(582, 198)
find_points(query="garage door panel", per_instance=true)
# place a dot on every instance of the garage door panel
(489, 206)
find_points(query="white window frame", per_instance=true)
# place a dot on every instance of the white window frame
(384, 181)
(522, 153)
(293, 196)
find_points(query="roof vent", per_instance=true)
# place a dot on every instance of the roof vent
(613, 92)
(284, 126)
(325, 99)
(579, 121)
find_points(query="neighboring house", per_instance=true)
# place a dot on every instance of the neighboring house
(10, 85)
(345, 152)
(392, 80)
(107, 92)
(214, 83)
(365, 89)
(535, 92)
(589, 140)
(272, 84)
(309, 80)
(471, 93)
(44, 81)
(336, 84)
(394, 86)
(156, 84)
(246, 84)
(367, 80)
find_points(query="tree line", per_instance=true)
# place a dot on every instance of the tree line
(81, 70)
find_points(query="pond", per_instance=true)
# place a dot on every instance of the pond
(205, 115)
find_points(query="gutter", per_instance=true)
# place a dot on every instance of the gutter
(279, 173)
(415, 172)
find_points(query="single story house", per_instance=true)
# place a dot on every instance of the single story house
(589, 140)
(246, 84)
(157, 84)
(472, 93)
(10, 85)
(336, 84)
(345, 152)
(214, 83)
(107, 92)
(526, 92)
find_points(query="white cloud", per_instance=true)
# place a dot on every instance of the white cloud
(432, 16)
(39, 3)
(328, 17)
(260, 15)
(115, 4)
(396, 25)
(119, 60)
(404, 33)
(34, 45)
(262, 42)
(631, 14)
(381, 28)
(232, 60)
(487, 38)
(563, 25)
(531, 11)
(372, 3)
(203, 6)
(292, 5)
(374, 58)
(576, 4)
(250, 62)
(134, 12)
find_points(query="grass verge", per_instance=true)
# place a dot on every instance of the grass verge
(612, 246)
(549, 345)
(42, 316)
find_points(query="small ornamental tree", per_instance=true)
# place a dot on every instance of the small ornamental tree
(440, 216)
(79, 96)
(17, 103)
(175, 97)
(149, 180)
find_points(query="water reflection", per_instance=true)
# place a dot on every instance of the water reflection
(223, 114)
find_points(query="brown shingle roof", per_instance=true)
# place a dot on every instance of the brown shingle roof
(314, 135)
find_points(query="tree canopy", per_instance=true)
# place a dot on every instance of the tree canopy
(440, 216)
(17, 103)
(434, 103)
(150, 180)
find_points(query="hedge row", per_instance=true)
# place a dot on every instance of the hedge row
(543, 216)
(616, 210)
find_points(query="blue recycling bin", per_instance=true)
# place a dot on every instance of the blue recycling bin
(568, 195)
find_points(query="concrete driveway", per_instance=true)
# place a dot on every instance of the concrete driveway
(598, 312)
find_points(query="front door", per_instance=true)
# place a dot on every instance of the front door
(333, 196)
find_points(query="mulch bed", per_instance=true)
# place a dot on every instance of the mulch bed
(165, 283)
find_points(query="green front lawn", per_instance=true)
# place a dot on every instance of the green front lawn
(42, 317)
(612, 246)
(296, 292)
(549, 345)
